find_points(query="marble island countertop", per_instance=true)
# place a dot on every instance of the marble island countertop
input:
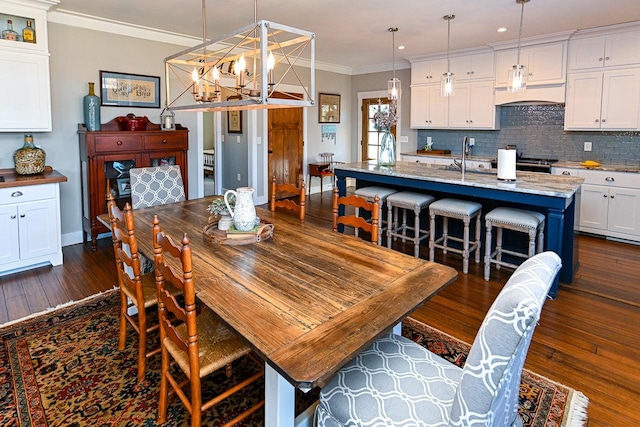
(526, 182)
(602, 167)
(450, 156)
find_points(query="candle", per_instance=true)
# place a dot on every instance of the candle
(167, 122)
(271, 64)
(194, 77)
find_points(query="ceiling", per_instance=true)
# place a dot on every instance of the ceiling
(354, 33)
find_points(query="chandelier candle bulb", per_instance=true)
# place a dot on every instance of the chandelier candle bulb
(194, 77)
(271, 64)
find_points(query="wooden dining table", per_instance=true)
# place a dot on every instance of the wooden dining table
(306, 300)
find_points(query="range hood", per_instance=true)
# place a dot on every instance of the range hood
(543, 94)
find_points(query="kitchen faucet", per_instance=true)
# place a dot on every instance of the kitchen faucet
(465, 148)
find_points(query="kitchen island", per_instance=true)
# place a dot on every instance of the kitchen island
(552, 195)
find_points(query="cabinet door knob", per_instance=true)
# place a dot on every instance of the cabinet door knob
(597, 120)
(604, 120)
(610, 179)
(606, 58)
(16, 194)
(13, 217)
(604, 195)
(472, 72)
(530, 74)
(601, 59)
(22, 215)
(164, 141)
(612, 196)
(566, 173)
(118, 142)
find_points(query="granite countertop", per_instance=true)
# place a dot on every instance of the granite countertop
(602, 167)
(526, 182)
(450, 156)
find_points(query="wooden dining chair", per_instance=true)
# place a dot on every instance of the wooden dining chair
(137, 290)
(282, 196)
(357, 221)
(197, 340)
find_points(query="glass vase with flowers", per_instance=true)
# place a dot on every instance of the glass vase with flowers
(384, 119)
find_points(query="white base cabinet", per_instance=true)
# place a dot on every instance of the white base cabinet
(29, 226)
(608, 203)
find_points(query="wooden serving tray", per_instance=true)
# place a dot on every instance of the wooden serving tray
(264, 232)
(434, 152)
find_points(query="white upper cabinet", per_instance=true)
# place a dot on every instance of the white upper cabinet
(24, 69)
(612, 50)
(472, 106)
(429, 110)
(546, 63)
(428, 72)
(473, 67)
(603, 100)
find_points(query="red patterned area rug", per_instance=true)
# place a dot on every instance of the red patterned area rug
(63, 368)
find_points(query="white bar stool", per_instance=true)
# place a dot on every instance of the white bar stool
(520, 220)
(406, 200)
(459, 209)
(369, 193)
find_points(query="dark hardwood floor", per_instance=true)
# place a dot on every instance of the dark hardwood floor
(588, 338)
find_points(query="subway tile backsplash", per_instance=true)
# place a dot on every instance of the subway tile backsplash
(538, 131)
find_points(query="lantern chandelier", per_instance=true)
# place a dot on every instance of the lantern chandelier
(243, 70)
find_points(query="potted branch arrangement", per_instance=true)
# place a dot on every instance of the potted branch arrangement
(218, 212)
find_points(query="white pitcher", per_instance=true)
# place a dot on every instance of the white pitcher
(244, 215)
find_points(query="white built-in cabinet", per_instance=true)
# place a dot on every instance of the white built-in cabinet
(24, 69)
(479, 66)
(428, 72)
(603, 100)
(471, 107)
(613, 50)
(429, 110)
(608, 203)
(603, 84)
(546, 63)
(29, 226)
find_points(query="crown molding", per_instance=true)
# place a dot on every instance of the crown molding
(545, 38)
(609, 29)
(95, 23)
(379, 68)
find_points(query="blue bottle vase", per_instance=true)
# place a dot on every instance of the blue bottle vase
(92, 110)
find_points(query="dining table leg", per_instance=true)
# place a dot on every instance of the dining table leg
(279, 407)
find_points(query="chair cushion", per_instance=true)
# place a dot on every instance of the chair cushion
(370, 192)
(391, 383)
(155, 186)
(512, 216)
(488, 392)
(409, 200)
(454, 207)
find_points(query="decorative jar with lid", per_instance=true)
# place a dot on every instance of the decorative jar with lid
(29, 159)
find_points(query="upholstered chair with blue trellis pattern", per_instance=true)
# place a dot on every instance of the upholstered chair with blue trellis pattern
(158, 185)
(396, 382)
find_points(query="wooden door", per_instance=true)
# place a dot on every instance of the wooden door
(285, 145)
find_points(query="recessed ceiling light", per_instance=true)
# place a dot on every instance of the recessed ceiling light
(400, 47)
(502, 30)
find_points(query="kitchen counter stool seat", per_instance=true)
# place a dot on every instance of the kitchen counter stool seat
(521, 220)
(369, 193)
(459, 209)
(407, 200)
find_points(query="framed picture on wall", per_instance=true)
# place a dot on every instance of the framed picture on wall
(129, 90)
(329, 110)
(234, 119)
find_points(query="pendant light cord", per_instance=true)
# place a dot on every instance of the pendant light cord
(448, 43)
(520, 34)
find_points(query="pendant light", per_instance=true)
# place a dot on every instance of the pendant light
(393, 85)
(518, 75)
(446, 82)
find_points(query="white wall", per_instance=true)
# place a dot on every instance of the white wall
(77, 56)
